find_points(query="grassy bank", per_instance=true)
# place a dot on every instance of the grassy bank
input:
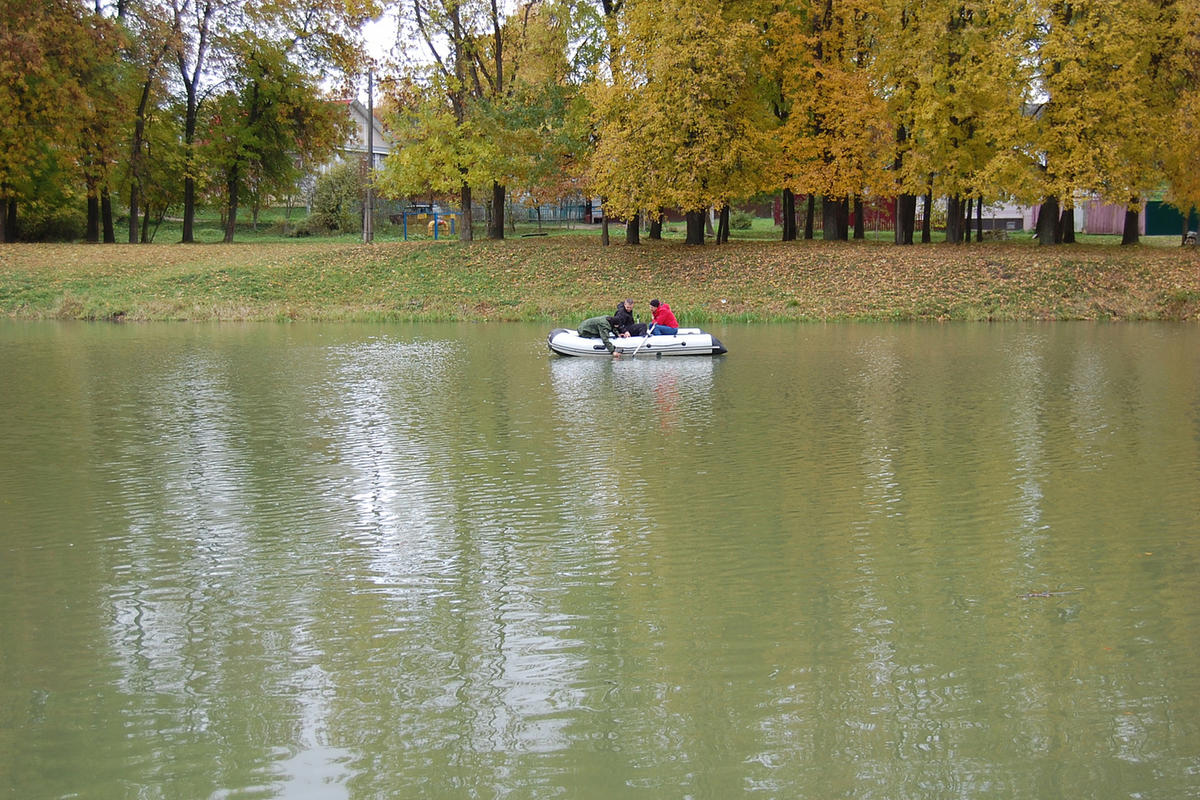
(565, 277)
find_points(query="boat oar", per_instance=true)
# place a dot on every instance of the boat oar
(645, 338)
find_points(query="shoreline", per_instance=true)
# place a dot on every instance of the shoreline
(561, 278)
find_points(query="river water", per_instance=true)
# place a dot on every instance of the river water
(335, 561)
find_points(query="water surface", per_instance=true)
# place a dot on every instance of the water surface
(865, 561)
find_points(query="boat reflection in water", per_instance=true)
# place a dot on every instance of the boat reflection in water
(595, 394)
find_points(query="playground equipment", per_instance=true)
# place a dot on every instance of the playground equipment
(438, 222)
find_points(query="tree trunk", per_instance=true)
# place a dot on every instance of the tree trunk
(656, 227)
(189, 205)
(496, 230)
(979, 219)
(967, 220)
(189, 182)
(3, 220)
(927, 221)
(1047, 223)
(135, 161)
(695, 227)
(860, 224)
(633, 230)
(954, 219)
(723, 226)
(466, 224)
(192, 90)
(1130, 234)
(93, 219)
(830, 209)
(808, 216)
(789, 216)
(11, 222)
(106, 217)
(134, 212)
(843, 211)
(906, 218)
(231, 189)
(906, 204)
(1066, 226)
(146, 226)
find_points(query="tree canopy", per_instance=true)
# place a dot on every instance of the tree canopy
(648, 104)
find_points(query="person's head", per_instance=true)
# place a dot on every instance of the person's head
(628, 305)
(654, 303)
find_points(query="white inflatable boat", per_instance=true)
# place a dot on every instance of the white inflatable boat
(688, 342)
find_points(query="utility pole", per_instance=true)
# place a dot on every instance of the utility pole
(369, 205)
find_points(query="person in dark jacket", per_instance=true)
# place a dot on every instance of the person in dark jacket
(599, 328)
(624, 320)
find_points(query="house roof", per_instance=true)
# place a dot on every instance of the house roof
(381, 139)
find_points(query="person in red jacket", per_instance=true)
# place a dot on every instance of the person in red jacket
(663, 322)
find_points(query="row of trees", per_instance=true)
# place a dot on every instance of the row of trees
(166, 104)
(654, 104)
(146, 105)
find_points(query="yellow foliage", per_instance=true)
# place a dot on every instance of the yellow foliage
(681, 124)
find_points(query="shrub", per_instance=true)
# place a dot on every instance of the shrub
(741, 220)
(61, 224)
(337, 201)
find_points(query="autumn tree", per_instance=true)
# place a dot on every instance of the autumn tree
(491, 88)
(435, 149)
(317, 35)
(956, 70)
(777, 99)
(545, 111)
(833, 139)
(897, 68)
(45, 47)
(160, 170)
(271, 127)
(1180, 156)
(531, 67)
(1096, 130)
(551, 124)
(435, 135)
(196, 23)
(151, 37)
(488, 103)
(682, 124)
(102, 117)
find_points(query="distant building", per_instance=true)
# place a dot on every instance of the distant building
(353, 150)
(355, 147)
(1155, 218)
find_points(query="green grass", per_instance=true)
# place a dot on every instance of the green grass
(278, 225)
(566, 275)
